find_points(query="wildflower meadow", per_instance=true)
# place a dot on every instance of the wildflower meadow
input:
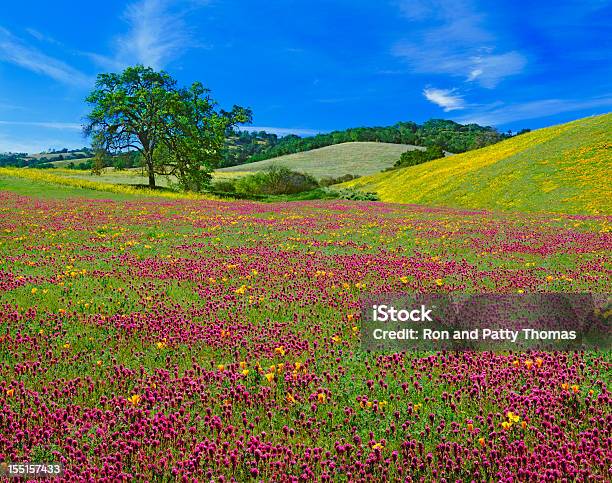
(160, 339)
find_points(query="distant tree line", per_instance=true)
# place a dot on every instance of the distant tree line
(81, 159)
(77, 153)
(448, 135)
(23, 160)
(13, 159)
(241, 146)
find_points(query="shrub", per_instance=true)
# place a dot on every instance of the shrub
(276, 180)
(329, 180)
(353, 194)
(224, 186)
(412, 158)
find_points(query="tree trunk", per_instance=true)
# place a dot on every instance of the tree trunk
(150, 169)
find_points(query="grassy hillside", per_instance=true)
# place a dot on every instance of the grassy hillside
(564, 168)
(360, 158)
(54, 156)
(31, 180)
(66, 162)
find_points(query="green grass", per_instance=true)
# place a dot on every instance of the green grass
(41, 189)
(65, 162)
(29, 178)
(564, 168)
(358, 158)
(49, 190)
(133, 176)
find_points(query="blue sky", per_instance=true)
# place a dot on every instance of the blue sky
(311, 66)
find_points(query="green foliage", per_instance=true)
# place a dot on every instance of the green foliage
(13, 159)
(275, 180)
(42, 160)
(99, 161)
(177, 131)
(84, 165)
(416, 156)
(242, 145)
(195, 138)
(127, 160)
(352, 194)
(330, 180)
(224, 186)
(23, 160)
(129, 111)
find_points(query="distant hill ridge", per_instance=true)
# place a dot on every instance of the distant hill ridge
(564, 168)
(247, 147)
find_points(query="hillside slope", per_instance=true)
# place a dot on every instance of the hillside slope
(359, 158)
(564, 168)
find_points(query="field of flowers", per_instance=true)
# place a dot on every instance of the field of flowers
(195, 339)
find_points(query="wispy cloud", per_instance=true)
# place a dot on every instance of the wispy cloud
(157, 33)
(445, 98)
(7, 106)
(281, 131)
(42, 37)
(503, 114)
(15, 51)
(449, 37)
(71, 126)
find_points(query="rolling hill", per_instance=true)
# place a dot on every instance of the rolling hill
(564, 168)
(358, 158)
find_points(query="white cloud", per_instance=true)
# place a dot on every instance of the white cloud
(449, 38)
(474, 74)
(157, 33)
(503, 114)
(490, 69)
(42, 37)
(280, 131)
(13, 50)
(444, 98)
(71, 126)
(155, 36)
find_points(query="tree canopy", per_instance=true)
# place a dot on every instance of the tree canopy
(177, 131)
(415, 156)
